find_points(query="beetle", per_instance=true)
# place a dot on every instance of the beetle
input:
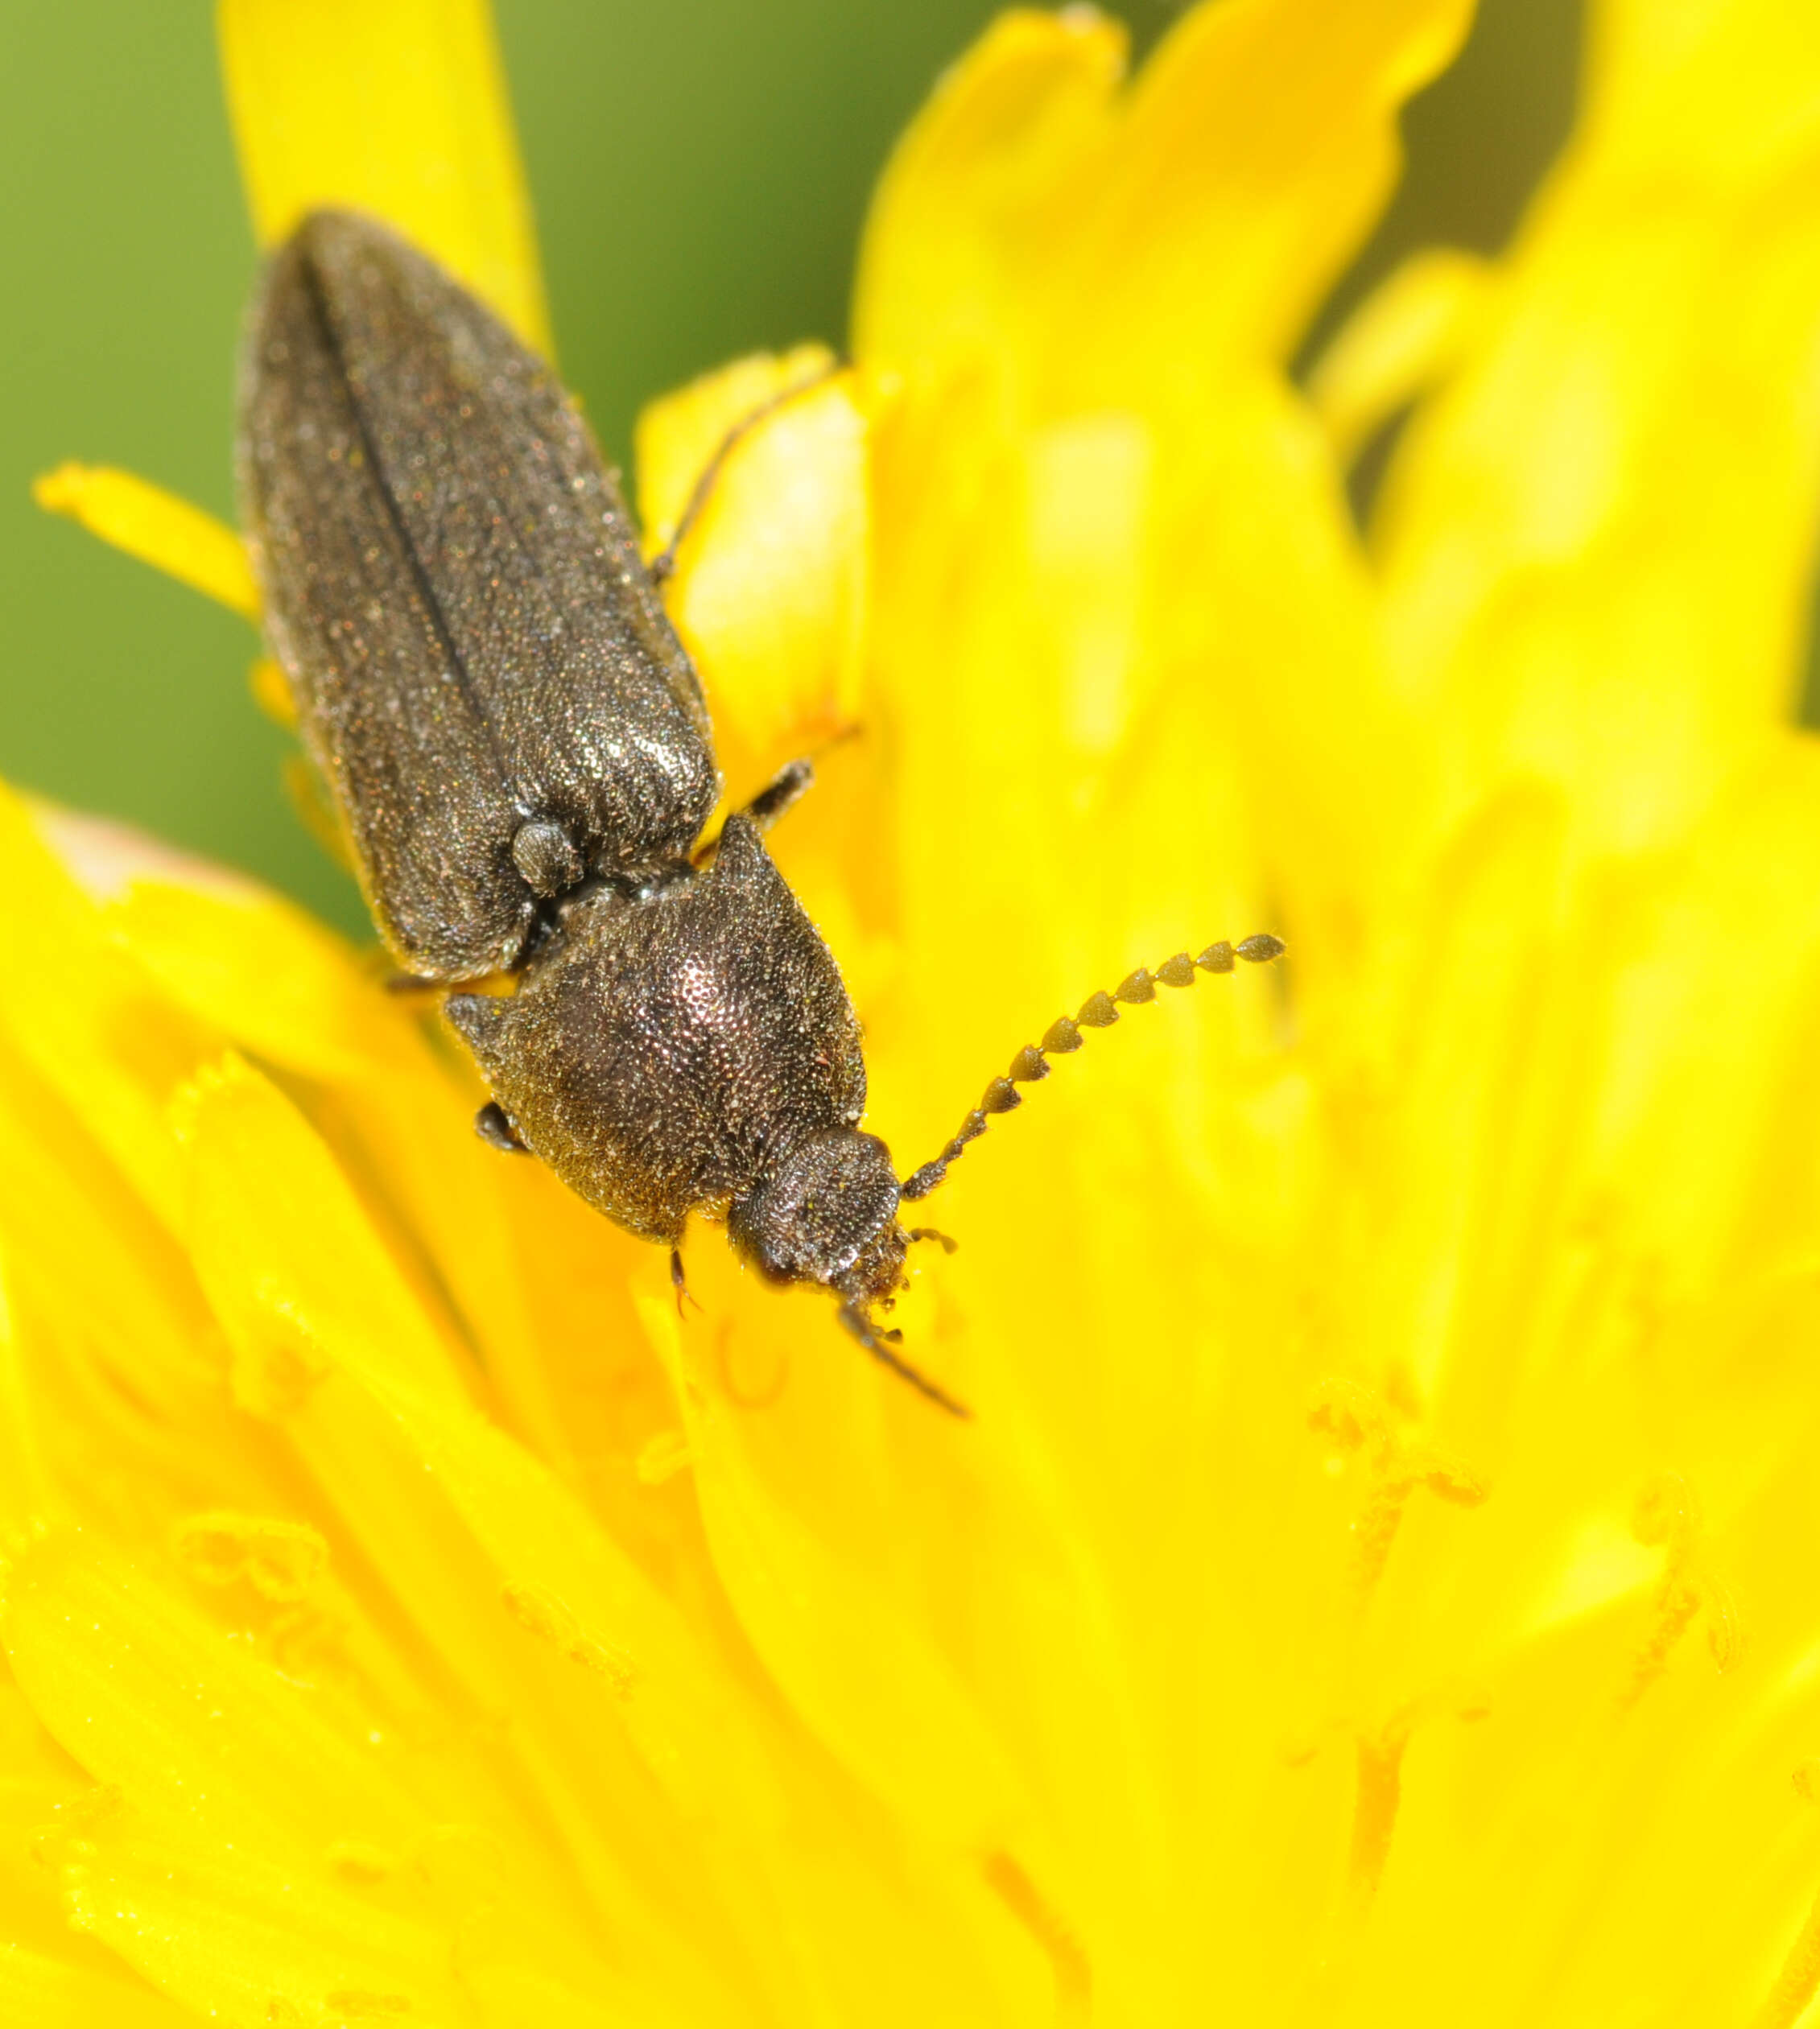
(520, 753)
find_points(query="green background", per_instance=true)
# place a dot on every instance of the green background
(701, 169)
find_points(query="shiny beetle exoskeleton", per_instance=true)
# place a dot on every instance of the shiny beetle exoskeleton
(520, 753)
(521, 757)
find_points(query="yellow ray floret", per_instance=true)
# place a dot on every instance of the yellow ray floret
(770, 588)
(394, 107)
(1399, 343)
(156, 526)
(1594, 544)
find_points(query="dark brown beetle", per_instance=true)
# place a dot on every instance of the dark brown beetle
(521, 755)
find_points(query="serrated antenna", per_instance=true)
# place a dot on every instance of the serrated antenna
(1065, 1036)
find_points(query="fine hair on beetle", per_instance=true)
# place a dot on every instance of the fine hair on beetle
(519, 753)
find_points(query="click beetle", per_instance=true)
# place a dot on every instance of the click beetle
(520, 754)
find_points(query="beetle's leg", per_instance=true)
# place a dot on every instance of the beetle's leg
(767, 806)
(781, 792)
(790, 782)
(664, 562)
(407, 984)
(949, 1246)
(878, 1344)
(494, 1127)
(678, 1282)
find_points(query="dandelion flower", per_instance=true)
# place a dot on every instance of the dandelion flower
(1375, 1588)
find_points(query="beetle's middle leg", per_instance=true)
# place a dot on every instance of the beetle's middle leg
(790, 782)
(767, 806)
(406, 986)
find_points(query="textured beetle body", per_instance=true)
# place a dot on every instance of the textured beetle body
(521, 753)
(482, 668)
(710, 1012)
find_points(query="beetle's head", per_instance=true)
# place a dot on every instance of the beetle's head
(828, 1214)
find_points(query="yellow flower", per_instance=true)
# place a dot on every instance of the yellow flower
(1376, 1588)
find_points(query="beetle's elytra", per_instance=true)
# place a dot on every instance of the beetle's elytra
(521, 755)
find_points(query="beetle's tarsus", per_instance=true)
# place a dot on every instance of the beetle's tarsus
(679, 1283)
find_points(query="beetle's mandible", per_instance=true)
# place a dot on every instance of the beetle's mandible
(520, 753)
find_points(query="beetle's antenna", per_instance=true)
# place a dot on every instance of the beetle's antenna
(663, 564)
(881, 1345)
(1064, 1035)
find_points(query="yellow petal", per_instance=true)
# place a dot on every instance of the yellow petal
(640, 1745)
(88, 1676)
(198, 1740)
(394, 107)
(113, 1049)
(266, 1196)
(155, 527)
(220, 950)
(1260, 141)
(1598, 543)
(876, 1694)
(1712, 1156)
(1047, 254)
(22, 1453)
(291, 1310)
(1191, 221)
(680, 435)
(770, 590)
(271, 692)
(39, 1992)
(1400, 341)
(100, 1307)
(978, 188)
(221, 955)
